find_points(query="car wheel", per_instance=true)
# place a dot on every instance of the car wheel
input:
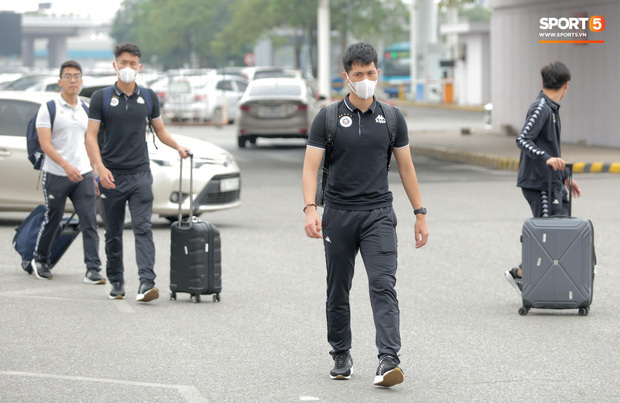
(175, 218)
(253, 140)
(241, 141)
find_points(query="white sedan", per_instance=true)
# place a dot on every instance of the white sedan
(217, 179)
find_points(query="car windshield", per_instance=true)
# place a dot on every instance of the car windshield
(288, 89)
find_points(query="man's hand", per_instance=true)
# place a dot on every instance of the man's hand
(73, 173)
(183, 152)
(557, 163)
(421, 231)
(106, 179)
(313, 223)
(576, 188)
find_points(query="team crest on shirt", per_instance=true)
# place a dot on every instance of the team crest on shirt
(380, 119)
(346, 121)
(140, 100)
(113, 101)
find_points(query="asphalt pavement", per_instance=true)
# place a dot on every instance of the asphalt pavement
(463, 340)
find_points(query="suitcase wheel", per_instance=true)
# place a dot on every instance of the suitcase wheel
(173, 296)
(583, 311)
(523, 311)
(195, 298)
(216, 297)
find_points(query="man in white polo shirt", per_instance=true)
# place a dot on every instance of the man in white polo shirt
(67, 173)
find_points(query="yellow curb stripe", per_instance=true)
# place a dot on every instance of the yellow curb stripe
(614, 167)
(578, 167)
(596, 167)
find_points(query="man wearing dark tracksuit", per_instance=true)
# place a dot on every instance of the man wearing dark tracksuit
(67, 173)
(358, 214)
(539, 141)
(124, 171)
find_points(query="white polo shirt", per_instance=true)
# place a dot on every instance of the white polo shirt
(68, 135)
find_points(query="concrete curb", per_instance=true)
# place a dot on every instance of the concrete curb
(504, 163)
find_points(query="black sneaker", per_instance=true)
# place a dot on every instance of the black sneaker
(93, 277)
(147, 291)
(118, 290)
(514, 279)
(388, 373)
(41, 270)
(343, 366)
(27, 266)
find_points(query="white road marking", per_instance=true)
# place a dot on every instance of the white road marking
(189, 393)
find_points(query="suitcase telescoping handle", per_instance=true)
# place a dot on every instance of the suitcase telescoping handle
(570, 187)
(191, 182)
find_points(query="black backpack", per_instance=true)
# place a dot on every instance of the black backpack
(331, 123)
(35, 153)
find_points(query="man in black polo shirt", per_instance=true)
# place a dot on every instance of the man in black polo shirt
(358, 213)
(122, 164)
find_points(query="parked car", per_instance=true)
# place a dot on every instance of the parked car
(276, 108)
(202, 98)
(217, 180)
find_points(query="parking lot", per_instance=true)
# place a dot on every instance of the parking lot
(463, 339)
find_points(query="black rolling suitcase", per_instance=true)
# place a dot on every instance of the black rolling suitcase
(559, 261)
(195, 253)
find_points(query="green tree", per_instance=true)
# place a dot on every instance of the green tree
(255, 19)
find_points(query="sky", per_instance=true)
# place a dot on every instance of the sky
(85, 8)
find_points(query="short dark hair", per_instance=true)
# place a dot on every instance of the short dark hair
(70, 63)
(359, 53)
(555, 75)
(127, 47)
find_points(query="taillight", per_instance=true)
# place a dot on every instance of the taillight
(302, 107)
(162, 96)
(200, 97)
(303, 131)
(244, 108)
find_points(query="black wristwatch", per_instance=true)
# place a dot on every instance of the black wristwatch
(420, 211)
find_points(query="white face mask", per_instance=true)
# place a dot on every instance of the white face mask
(364, 89)
(127, 75)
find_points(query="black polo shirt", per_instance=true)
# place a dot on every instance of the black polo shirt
(124, 148)
(358, 167)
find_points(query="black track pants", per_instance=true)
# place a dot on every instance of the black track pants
(373, 233)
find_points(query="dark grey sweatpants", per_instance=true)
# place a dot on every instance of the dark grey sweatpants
(373, 233)
(135, 189)
(56, 189)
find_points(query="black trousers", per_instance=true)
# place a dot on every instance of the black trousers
(544, 206)
(56, 189)
(373, 233)
(135, 189)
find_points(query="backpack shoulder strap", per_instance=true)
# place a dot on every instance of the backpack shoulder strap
(147, 98)
(331, 122)
(85, 107)
(51, 107)
(107, 97)
(392, 124)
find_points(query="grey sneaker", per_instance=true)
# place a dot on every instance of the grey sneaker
(514, 279)
(93, 277)
(147, 291)
(41, 270)
(343, 366)
(388, 372)
(118, 290)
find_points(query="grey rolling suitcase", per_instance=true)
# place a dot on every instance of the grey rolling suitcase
(558, 262)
